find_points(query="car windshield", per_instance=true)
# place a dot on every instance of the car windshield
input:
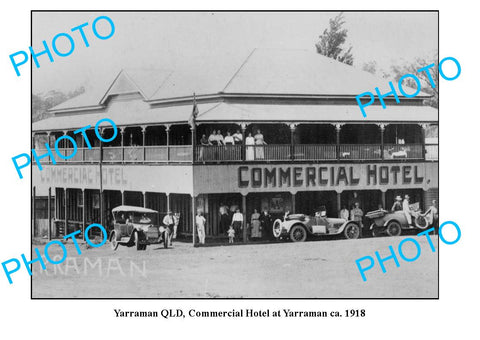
(136, 217)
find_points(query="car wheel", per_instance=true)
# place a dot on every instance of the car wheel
(277, 228)
(165, 239)
(421, 222)
(298, 233)
(113, 240)
(136, 241)
(376, 231)
(394, 229)
(351, 231)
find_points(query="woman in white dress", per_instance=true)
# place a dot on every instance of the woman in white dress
(250, 152)
(259, 150)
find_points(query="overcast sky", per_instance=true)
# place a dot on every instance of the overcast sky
(170, 40)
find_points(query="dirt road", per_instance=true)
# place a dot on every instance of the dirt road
(317, 269)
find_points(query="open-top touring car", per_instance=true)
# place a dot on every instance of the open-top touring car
(136, 226)
(392, 223)
(298, 226)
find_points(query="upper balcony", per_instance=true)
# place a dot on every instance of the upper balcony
(268, 142)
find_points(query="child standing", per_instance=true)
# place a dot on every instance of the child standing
(231, 234)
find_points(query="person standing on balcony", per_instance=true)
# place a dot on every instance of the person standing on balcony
(250, 152)
(220, 140)
(406, 209)
(203, 143)
(212, 139)
(229, 140)
(229, 143)
(259, 150)
(237, 137)
(220, 153)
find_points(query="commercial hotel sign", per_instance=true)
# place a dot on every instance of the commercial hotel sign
(311, 177)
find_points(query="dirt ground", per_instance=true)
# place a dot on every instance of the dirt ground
(316, 269)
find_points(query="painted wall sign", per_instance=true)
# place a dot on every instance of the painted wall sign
(324, 176)
(312, 177)
(171, 179)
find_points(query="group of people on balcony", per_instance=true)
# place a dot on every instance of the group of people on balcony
(254, 146)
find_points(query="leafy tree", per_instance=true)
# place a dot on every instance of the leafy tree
(41, 103)
(332, 40)
(411, 67)
(370, 66)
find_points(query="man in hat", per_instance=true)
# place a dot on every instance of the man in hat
(406, 209)
(357, 214)
(169, 223)
(397, 206)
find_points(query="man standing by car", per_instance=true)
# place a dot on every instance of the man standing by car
(357, 214)
(169, 222)
(406, 209)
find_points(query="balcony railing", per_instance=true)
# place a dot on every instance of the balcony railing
(403, 151)
(431, 152)
(218, 153)
(360, 151)
(312, 152)
(238, 153)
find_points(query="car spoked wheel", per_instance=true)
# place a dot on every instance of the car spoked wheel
(352, 231)
(421, 222)
(165, 238)
(137, 242)
(113, 240)
(298, 233)
(394, 229)
(277, 228)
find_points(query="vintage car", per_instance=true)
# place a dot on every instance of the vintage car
(298, 226)
(136, 226)
(392, 223)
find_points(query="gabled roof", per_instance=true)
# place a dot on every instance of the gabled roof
(272, 72)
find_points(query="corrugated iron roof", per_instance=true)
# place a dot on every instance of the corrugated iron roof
(264, 71)
(125, 113)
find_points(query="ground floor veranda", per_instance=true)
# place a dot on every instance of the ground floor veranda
(78, 208)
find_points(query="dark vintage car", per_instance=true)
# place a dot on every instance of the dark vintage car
(137, 226)
(298, 226)
(392, 223)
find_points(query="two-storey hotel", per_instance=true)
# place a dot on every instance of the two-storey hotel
(317, 147)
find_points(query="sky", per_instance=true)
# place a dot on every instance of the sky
(174, 40)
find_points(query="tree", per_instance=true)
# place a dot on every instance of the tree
(332, 40)
(370, 67)
(41, 103)
(412, 67)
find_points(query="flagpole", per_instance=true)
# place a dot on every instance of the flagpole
(194, 138)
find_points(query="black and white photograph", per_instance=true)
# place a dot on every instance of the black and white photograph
(239, 170)
(236, 155)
